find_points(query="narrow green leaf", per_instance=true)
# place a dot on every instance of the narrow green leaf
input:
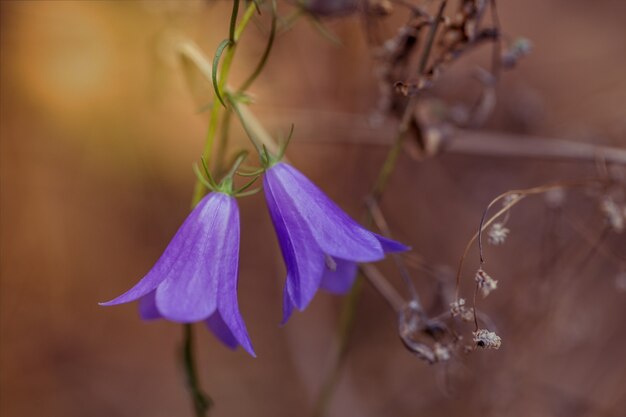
(216, 60)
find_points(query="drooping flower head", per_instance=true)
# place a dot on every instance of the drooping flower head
(320, 243)
(196, 277)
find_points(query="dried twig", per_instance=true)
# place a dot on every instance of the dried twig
(344, 128)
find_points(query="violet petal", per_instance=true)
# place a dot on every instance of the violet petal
(341, 279)
(303, 257)
(334, 231)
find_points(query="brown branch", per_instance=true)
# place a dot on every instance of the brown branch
(326, 127)
(382, 285)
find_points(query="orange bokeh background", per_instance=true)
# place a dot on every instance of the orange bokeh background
(98, 135)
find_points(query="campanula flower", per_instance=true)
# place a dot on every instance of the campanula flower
(196, 277)
(320, 243)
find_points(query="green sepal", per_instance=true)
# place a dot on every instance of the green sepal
(249, 193)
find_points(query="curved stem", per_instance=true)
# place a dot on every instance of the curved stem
(517, 196)
(270, 42)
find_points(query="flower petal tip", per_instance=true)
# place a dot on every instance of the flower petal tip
(391, 246)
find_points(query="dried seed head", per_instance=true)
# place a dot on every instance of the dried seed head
(380, 7)
(458, 308)
(442, 353)
(509, 198)
(614, 214)
(518, 49)
(486, 284)
(487, 340)
(497, 234)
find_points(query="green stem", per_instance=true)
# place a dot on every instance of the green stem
(221, 149)
(233, 21)
(270, 42)
(201, 401)
(199, 189)
(235, 35)
(346, 325)
(244, 21)
(250, 132)
(431, 38)
(207, 153)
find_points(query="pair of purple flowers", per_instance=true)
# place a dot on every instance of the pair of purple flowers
(196, 277)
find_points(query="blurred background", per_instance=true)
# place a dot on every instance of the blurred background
(98, 135)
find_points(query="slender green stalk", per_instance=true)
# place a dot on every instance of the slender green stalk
(260, 138)
(199, 188)
(244, 21)
(222, 146)
(233, 21)
(250, 131)
(346, 325)
(201, 401)
(270, 42)
(235, 35)
(202, 63)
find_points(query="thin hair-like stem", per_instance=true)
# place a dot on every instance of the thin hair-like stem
(496, 60)
(381, 223)
(517, 196)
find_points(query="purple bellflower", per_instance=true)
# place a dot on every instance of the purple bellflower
(196, 277)
(320, 243)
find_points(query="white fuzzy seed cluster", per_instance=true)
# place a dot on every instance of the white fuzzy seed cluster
(615, 215)
(487, 340)
(442, 353)
(458, 308)
(497, 234)
(486, 284)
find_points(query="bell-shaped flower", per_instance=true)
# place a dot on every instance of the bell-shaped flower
(320, 243)
(196, 277)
